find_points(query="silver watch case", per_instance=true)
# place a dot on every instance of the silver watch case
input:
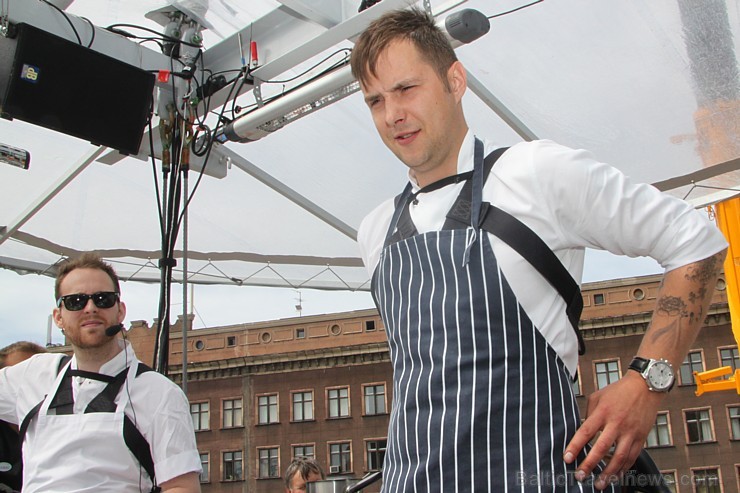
(659, 375)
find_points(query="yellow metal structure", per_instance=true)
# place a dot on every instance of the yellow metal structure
(711, 380)
(728, 220)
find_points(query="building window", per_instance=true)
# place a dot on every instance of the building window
(230, 341)
(338, 402)
(606, 372)
(734, 414)
(599, 299)
(304, 450)
(729, 357)
(369, 325)
(199, 345)
(269, 466)
(232, 463)
(693, 363)
(200, 412)
(205, 468)
(698, 426)
(660, 433)
(669, 479)
(375, 450)
(303, 405)
(374, 399)
(576, 383)
(233, 417)
(267, 409)
(300, 333)
(706, 480)
(340, 457)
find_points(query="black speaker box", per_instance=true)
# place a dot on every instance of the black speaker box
(54, 83)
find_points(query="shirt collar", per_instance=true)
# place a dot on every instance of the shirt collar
(464, 158)
(118, 362)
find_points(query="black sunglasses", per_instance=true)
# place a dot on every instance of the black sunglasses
(76, 302)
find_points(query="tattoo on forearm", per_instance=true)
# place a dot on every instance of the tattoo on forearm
(706, 270)
(672, 306)
(658, 333)
(701, 276)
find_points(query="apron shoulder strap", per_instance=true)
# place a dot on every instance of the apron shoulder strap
(524, 241)
(459, 215)
(104, 402)
(35, 409)
(138, 446)
(133, 438)
(530, 246)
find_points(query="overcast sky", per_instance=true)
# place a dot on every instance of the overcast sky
(27, 301)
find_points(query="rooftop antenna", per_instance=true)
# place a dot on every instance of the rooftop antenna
(48, 332)
(299, 306)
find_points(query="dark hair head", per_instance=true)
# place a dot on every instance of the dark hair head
(412, 25)
(88, 260)
(29, 348)
(304, 466)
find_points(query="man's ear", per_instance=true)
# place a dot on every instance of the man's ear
(121, 312)
(57, 316)
(457, 79)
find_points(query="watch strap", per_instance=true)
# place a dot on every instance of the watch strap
(639, 364)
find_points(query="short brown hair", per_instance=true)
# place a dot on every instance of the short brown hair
(26, 347)
(87, 260)
(304, 466)
(412, 25)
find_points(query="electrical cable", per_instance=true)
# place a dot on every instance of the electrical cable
(207, 156)
(113, 28)
(346, 59)
(171, 213)
(92, 29)
(159, 43)
(514, 10)
(156, 181)
(66, 17)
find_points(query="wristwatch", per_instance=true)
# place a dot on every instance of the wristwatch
(658, 373)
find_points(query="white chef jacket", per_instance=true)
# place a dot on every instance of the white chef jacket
(571, 201)
(160, 409)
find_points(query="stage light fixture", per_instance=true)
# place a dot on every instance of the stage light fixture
(462, 27)
(15, 156)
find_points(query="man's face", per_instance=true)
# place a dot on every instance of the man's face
(418, 117)
(297, 484)
(85, 328)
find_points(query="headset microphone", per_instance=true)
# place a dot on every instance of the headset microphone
(113, 330)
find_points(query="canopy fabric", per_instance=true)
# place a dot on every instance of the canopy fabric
(637, 83)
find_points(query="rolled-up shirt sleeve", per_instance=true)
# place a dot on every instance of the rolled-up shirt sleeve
(609, 211)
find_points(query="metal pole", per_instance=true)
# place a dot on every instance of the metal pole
(185, 320)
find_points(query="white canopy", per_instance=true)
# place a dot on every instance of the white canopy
(650, 87)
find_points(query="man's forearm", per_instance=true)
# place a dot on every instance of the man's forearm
(187, 483)
(682, 303)
(681, 307)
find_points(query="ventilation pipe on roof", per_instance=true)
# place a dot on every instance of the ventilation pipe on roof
(462, 27)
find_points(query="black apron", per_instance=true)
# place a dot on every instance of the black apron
(481, 402)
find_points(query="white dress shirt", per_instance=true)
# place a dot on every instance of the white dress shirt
(571, 201)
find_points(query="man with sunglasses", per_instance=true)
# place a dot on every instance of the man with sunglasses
(78, 416)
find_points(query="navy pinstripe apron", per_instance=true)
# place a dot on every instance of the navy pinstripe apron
(481, 402)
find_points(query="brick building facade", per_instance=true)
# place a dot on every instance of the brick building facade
(261, 393)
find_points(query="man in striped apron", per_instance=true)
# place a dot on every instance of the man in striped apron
(480, 340)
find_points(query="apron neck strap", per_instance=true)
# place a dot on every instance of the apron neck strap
(476, 199)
